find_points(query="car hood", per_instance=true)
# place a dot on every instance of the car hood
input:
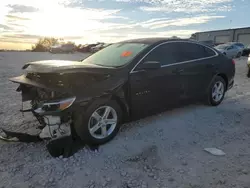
(71, 77)
(63, 67)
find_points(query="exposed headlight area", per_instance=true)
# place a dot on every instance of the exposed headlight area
(55, 106)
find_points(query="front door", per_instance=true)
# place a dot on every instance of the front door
(152, 90)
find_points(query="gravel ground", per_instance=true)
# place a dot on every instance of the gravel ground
(165, 150)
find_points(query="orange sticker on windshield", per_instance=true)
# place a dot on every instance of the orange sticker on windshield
(126, 54)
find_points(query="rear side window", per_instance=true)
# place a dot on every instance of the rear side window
(192, 51)
(166, 54)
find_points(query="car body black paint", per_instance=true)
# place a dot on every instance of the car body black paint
(138, 91)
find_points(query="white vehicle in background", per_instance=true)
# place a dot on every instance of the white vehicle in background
(62, 48)
(231, 50)
(99, 47)
(96, 48)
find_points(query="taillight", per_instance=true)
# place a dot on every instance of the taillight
(233, 62)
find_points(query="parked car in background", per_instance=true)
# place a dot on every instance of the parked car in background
(246, 51)
(97, 47)
(85, 48)
(208, 43)
(238, 44)
(124, 81)
(63, 48)
(230, 50)
(104, 46)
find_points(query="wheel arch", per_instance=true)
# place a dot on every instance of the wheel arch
(123, 105)
(224, 76)
(119, 98)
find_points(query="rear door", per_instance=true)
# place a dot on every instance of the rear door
(199, 67)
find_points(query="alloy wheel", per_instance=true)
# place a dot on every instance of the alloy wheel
(218, 91)
(102, 122)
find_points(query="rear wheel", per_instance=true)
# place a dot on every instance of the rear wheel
(238, 55)
(216, 91)
(99, 123)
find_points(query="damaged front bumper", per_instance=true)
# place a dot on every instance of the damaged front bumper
(56, 118)
(51, 109)
(56, 125)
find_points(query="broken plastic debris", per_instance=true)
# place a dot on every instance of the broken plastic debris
(5, 137)
(18, 137)
(215, 151)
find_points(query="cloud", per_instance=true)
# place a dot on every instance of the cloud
(186, 6)
(19, 38)
(16, 8)
(12, 17)
(5, 27)
(153, 24)
(24, 21)
(116, 36)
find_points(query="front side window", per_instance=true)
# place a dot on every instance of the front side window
(115, 55)
(165, 54)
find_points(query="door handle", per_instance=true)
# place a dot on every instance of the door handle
(178, 71)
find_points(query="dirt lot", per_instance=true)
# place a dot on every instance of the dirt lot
(160, 151)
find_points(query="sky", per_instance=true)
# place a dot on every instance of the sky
(22, 22)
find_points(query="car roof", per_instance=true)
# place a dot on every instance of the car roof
(236, 43)
(151, 41)
(225, 44)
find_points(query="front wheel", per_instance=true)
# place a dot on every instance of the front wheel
(99, 123)
(216, 91)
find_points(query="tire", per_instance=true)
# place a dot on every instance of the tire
(211, 99)
(84, 119)
(238, 55)
(248, 73)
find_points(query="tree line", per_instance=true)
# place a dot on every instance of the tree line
(44, 44)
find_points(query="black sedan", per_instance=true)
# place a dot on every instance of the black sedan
(126, 80)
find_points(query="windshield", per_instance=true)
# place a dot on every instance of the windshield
(222, 46)
(115, 55)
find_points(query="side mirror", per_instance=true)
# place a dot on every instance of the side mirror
(150, 65)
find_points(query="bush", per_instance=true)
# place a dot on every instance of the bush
(44, 44)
